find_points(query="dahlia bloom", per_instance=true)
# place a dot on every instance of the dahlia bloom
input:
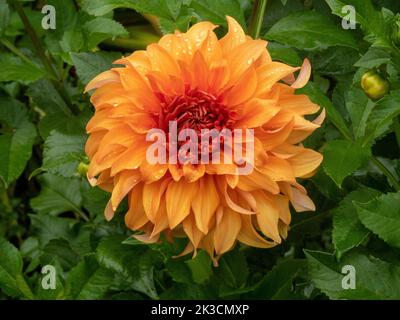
(202, 82)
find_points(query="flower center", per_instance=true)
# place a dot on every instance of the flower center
(196, 110)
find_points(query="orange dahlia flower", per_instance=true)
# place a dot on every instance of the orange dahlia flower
(201, 82)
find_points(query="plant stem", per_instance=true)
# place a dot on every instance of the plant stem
(16, 51)
(35, 40)
(257, 18)
(56, 79)
(387, 173)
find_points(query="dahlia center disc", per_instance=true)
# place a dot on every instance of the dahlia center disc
(197, 110)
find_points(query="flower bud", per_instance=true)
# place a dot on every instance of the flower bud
(82, 169)
(374, 85)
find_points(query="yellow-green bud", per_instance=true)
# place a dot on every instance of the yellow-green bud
(374, 85)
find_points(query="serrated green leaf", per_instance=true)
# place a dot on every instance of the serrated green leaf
(89, 65)
(278, 284)
(309, 30)
(133, 263)
(370, 19)
(47, 98)
(201, 267)
(11, 279)
(342, 158)
(14, 68)
(359, 107)
(63, 153)
(382, 217)
(100, 29)
(348, 232)
(374, 58)
(58, 195)
(216, 11)
(60, 249)
(161, 8)
(88, 280)
(232, 269)
(375, 279)
(102, 7)
(284, 53)
(382, 116)
(47, 227)
(17, 139)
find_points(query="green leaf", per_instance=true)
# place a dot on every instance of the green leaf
(375, 279)
(161, 8)
(348, 232)
(359, 107)
(63, 153)
(48, 227)
(88, 280)
(316, 96)
(11, 279)
(133, 263)
(335, 62)
(17, 139)
(179, 271)
(201, 267)
(371, 20)
(60, 249)
(382, 116)
(309, 30)
(47, 99)
(89, 65)
(284, 53)
(342, 158)
(216, 11)
(58, 195)
(232, 271)
(100, 29)
(67, 125)
(4, 16)
(14, 68)
(278, 284)
(374, 58)
(102, 7)
(382, 217)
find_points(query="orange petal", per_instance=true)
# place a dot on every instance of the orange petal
(249, 236)
(234, 37)
(103, 78)
(267, 216)
(226, 231)
(305, 162)
(123, 184)
(205, 203)
(304, 75)
(256, 112)
(179, 197)
(136, 218)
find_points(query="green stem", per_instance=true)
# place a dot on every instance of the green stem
(387, 173)
(16, 51)
(35, 40)
(56, 79)
(396, 126)
(257, 18)
(4, 198)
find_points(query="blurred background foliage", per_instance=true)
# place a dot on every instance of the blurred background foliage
(50, 215)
